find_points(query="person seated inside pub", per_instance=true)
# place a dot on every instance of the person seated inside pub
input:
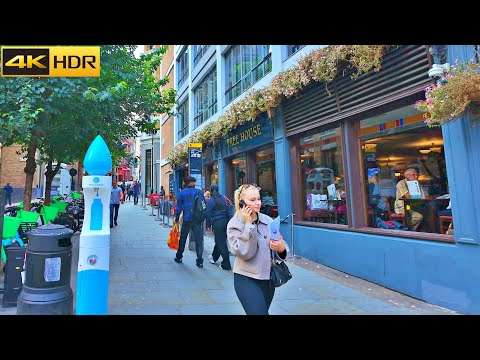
(415, 218)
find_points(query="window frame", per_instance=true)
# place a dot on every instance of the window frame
(183, 68)
(198, 53)
(265, 62)
(200, 116)
(356, 196)
(181, 133)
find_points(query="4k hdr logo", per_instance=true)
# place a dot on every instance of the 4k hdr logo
(53, 61)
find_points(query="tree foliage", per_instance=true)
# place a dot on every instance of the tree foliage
(61, 116)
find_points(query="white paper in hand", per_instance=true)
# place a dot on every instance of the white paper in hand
(275, 229)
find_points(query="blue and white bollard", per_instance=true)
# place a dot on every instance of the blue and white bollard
(94, 248)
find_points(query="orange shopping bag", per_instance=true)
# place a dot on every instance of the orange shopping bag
(174, 237)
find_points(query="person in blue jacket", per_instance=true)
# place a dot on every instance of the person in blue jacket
(217, 218)
(185, 204)
(8, 193)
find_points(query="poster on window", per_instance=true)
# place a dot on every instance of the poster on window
(319, 202)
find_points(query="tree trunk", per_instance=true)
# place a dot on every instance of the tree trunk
(80, 177)
(30, 167)
(49, 175)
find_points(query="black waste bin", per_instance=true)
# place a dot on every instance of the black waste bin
(15, 256)
(46, 289)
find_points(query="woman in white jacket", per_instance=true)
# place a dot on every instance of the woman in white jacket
(249, 238)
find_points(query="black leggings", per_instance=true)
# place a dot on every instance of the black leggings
(254, 295)
(221, 248)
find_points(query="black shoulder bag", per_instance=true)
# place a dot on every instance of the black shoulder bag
(279, 271)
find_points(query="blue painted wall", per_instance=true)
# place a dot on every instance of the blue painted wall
(439, 273)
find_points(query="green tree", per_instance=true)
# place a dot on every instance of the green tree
(60, 117)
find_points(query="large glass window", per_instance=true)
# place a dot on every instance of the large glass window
(405, 172)
(239, 165)
(292, 49)
(244, 66)
(206, 98)
(182, 72)
(182, 118)
(323, 193)
(198, 52)
(266, 180)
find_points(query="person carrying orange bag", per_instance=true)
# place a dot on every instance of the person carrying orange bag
(174, 237)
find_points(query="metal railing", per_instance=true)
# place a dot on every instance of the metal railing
(292, 256)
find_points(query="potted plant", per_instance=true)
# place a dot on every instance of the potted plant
(456, 94)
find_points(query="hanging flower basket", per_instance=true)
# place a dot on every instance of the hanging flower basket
(455, 95)
(473, 93)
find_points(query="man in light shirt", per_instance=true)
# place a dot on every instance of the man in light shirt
(402, 193)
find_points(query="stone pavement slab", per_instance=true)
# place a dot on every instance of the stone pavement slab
(144, 280)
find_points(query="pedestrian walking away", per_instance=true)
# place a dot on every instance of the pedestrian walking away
(217, 218)
(136, 191)
(249, 236)
(185, 205)
(8, 193)
(115, 195)
(123, 187)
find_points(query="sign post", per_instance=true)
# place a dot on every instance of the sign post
(195, 163)
(195, 170)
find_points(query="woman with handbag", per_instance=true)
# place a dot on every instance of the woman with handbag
(249, 237)
(217, 218)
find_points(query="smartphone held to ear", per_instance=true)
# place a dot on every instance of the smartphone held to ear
(241, 204)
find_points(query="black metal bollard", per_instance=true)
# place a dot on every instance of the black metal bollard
(46, 289)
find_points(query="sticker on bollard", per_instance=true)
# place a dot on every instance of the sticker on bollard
(48, 265)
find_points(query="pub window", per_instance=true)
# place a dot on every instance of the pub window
(323, 183)
(239, 166)
(266, 180)
(400, 153)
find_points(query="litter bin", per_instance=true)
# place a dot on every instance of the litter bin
(48, 265)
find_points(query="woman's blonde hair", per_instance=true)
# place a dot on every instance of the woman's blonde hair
(238, 193)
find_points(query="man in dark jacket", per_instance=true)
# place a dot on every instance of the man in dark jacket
(217, 218)
(8, 193)
(185, 204)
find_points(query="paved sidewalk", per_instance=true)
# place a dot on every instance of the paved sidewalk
(145, 280)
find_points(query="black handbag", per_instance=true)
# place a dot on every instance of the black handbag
(279, 272)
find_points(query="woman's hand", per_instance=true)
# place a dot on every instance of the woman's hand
(247, 214)
(277, 246)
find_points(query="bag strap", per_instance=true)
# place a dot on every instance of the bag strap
(227, 200)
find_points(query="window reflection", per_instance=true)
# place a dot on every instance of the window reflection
(239, 165)
(405, 171)
(265, 161)
(324, 194)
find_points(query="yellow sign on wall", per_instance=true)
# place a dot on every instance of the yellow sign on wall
(50, 61)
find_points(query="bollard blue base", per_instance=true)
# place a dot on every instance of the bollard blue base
(92, 292)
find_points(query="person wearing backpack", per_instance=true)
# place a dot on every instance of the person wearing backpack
(191, 202)
(217, 218)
